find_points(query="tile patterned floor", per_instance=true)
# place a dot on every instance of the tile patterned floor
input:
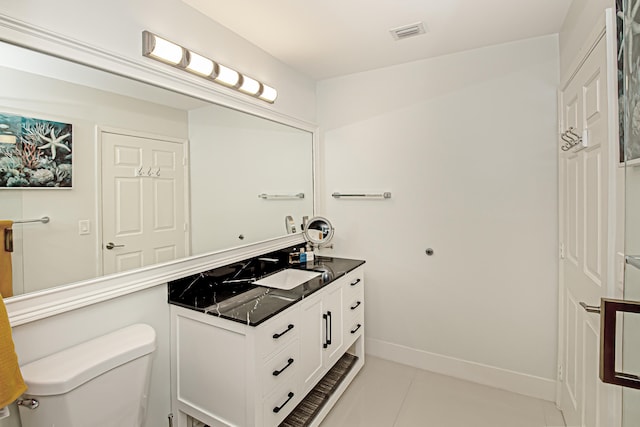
(388, 394)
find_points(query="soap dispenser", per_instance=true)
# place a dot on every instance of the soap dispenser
(303, 256)
(310, 254)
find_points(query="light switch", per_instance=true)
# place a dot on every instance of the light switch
(84, 227)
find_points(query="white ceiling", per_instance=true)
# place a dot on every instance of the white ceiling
(328, 38)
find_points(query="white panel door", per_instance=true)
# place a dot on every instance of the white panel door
(143, 201)
(585, 237)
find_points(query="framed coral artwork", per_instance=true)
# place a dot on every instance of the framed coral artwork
(35, 153)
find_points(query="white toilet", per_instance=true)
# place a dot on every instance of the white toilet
(100, 383)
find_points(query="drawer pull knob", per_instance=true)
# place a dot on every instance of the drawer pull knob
(276, 336)
(355, 282)
(278, 408)
(289, 362)
(356, 305)
(353, 331)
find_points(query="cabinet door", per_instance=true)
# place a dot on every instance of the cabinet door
(312, 338)
(333, 310)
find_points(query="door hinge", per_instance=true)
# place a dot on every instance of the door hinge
(560, 373)
(185, 226)
(561, 250)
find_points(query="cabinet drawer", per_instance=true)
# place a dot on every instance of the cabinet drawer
(354, 283)
(280, 403)
(354, 327)
(278, 332)
(354, 305)
(281, 368)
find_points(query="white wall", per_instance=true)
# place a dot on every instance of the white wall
(467, 145)
(116, 26)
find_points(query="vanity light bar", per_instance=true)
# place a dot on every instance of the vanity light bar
(163, 50)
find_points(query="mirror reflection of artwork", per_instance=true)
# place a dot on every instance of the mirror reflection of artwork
(35, 153)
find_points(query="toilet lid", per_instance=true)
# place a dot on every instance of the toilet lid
(63, 371)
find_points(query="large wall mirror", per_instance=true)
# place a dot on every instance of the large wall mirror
(136, 175)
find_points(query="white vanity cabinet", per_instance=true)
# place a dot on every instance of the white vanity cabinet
(225, 373)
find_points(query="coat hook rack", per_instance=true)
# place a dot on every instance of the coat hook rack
(572, 139)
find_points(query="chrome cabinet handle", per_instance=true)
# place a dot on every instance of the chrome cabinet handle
(590, 308)
(112, 245)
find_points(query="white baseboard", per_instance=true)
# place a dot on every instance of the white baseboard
(517, 382)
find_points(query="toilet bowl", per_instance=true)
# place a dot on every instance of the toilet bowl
(99, 383)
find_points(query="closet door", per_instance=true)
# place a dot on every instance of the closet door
(143, 201)
(585, 234)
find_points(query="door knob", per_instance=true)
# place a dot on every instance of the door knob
(112, 245)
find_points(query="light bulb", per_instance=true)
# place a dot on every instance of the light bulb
(249, 85)
(268, 94)
(227, 76)
(200, 65)
(165, 50)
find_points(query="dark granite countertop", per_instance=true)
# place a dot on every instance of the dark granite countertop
(229, 292)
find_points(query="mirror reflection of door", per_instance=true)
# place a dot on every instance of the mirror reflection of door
(144, 209)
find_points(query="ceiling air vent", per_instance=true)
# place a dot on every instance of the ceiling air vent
(407, 31)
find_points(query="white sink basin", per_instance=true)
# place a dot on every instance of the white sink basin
(287, 279)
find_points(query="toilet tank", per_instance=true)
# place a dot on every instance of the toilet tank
(99, 383)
